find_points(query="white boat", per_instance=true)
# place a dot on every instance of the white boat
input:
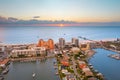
(5, 71)
(33, 75)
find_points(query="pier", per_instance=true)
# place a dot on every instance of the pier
(115, 56)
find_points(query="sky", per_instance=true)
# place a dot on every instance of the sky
(67, 10)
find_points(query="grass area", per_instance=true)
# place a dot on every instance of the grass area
(0, 70)
(79, 56)
(79, 71)
(70, 70)
(62, 75)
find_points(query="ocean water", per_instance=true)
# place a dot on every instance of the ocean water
(31, 34)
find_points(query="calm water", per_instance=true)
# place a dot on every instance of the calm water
(109, 67)
(23, 71)
(33, 34)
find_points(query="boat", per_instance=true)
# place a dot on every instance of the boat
(33, 75)
(5, 71)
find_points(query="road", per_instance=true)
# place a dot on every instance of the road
(74, 68)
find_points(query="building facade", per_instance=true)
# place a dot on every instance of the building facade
(33, 52)
(75, 42)
(47, 44)
(41, 43)
(61, 43)
(85, 47)
(50, 44)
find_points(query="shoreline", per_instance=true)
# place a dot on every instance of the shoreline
(112, 50)
(31, 58)
(90, 53)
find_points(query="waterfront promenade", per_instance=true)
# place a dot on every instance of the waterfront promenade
(31, 58)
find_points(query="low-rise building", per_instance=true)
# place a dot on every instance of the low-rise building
(85, 68)
(82, 64)
(75, 50)
(35, 51)
(4, 62)
(69, 77)
(87, 72)
(2, 49)
(84, 47)
(65, 62)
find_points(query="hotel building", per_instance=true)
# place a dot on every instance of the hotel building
(47, 44)
(50, 44)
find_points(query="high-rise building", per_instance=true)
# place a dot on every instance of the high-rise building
(75, 42)
(62, 42)
(41, 43)
(47, 44)
(50, 44)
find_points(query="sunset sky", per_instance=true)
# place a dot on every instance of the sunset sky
(67, 10)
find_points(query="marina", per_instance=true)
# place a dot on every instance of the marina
(38, 70)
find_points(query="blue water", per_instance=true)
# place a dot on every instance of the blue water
(33, 34)
(109, 67)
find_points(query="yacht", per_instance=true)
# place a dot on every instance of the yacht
(33, 75)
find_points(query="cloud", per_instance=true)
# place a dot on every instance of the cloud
(36, 17)
(2, 19)
(34, 21)
(12, 19)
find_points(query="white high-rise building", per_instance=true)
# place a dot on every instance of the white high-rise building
(75, 41)
(62, 42)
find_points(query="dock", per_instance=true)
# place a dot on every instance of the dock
(115, 56)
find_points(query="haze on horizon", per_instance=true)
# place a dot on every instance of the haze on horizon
(65, 10)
